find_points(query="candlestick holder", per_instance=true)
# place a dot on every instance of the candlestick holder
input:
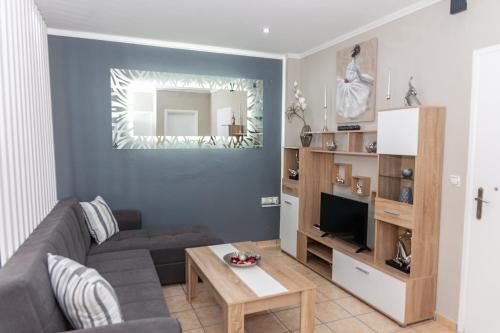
(325, 120)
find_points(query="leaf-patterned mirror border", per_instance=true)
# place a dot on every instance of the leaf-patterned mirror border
(122, 130)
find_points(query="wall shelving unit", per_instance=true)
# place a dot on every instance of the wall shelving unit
(407, 138)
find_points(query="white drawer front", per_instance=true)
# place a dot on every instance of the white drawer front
(384, 292)
(398, 132)
(289, 223)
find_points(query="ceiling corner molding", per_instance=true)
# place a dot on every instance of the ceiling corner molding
(294, 55)
(370, 26)
(163, 43)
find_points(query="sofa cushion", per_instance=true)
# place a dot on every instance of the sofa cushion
(27, 303)
(100, 220)
(86, 298)
(133, 276)
(166, 246)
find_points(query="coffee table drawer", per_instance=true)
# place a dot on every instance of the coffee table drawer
(382, 291)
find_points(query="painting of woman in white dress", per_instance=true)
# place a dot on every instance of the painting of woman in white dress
(356, 73)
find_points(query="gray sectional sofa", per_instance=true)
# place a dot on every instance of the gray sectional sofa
(134, 261)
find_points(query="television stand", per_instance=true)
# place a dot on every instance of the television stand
(324, 234)
(364, 248)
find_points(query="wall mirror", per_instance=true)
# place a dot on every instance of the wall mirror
(158, 110)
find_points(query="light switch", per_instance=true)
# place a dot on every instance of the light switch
(270, 201)
(455, 180)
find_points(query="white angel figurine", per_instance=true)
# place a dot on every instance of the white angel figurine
(354, 90)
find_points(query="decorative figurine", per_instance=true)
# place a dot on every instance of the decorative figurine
(411, 98)
(407, 173)
(293, 174)
(402, 261)
(403, 256)
(371, 147)
(331, 145)
(339, 180)
(359, 188)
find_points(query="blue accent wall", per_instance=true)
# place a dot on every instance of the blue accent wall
(219, 188)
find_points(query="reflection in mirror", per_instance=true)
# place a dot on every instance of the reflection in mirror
(165, 110)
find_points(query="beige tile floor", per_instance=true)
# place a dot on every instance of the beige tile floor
(336, 311)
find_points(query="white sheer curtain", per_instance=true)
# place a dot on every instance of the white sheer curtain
(27, 166)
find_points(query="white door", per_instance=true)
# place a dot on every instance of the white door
(479, 310)
(181, 123)
(223, 119)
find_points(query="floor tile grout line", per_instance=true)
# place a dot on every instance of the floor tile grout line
(282, 323)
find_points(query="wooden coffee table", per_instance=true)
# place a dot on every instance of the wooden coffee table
(237, 298)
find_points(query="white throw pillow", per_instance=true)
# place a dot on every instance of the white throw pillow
(100, 220)
(85, 297)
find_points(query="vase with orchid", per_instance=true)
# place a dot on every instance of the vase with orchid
(297, 109)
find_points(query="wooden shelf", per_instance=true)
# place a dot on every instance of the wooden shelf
(323, 151)
(390, 179)
(338, 244)
(290, 186)
(322, 252)
(320, 266)
(341, 132)
(382, 266)
(291, 181)
(349, 249)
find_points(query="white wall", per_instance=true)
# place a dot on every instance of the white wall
(27, 168)
(235, 100)
(436, 48)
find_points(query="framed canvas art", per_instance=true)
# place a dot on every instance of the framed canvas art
(356, 79)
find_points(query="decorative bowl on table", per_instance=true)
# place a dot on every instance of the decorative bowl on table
(242, 259)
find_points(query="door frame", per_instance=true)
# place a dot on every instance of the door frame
(190, 112)
(470, 190)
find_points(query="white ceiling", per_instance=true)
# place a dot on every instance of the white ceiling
(296, 25)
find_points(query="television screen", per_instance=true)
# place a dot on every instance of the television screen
(344, 218)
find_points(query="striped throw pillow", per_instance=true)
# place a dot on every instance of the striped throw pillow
(100, 220)
(85, 297)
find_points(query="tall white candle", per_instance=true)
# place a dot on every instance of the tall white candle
(325, 99)
(388, 96)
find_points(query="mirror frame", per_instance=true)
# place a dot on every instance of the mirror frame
(122, 126)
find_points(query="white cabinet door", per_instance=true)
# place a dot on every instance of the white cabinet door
(384, 292)
(398, 132)
(289, 223)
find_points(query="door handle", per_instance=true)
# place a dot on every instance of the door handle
(362, 270)
(479, 203)
(287, 202)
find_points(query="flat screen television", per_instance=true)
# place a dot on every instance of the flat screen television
(344, 218)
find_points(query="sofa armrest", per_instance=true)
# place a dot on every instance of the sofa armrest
(149, 325)
(128, 219)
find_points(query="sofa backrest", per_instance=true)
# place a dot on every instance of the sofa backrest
(27, 303)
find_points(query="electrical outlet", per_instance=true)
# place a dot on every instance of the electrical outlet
(270, 201)
(455, 180)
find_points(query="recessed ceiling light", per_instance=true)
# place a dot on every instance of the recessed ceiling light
(266, 30)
